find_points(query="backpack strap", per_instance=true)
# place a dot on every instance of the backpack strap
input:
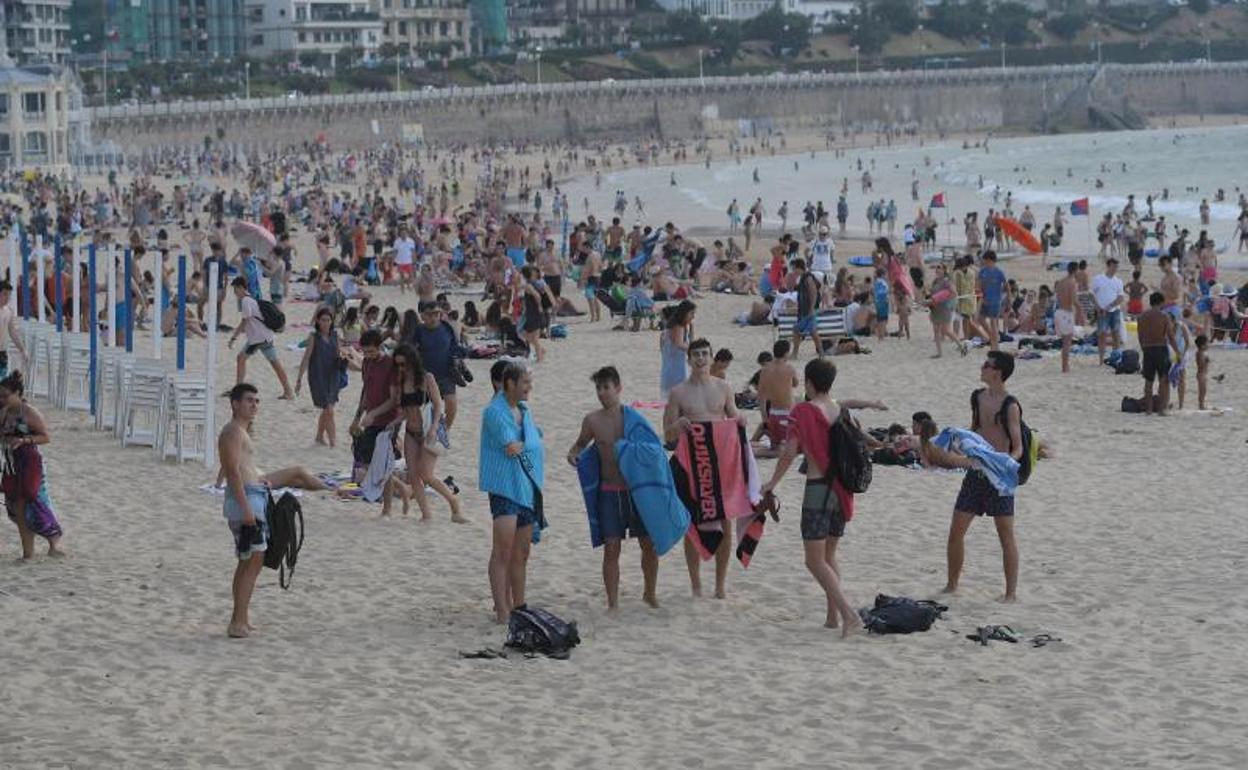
(1003, 417)
(975, 408)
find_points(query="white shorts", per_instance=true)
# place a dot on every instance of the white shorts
(1064, 322)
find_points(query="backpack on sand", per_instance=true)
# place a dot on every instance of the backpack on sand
(899, 615)
(271, 315)
(285, 537)
(1031, 445)
(851, 460)
(534, 630)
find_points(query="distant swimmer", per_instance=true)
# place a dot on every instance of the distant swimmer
(756, 175)
(673, 179)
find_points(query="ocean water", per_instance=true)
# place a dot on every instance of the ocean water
(1043, 172)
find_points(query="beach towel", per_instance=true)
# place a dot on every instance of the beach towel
(643, 464)
(999, 467)
(24, 479)
(373, 485)
(711, 467)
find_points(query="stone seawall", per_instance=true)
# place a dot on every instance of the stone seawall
(1039, 99)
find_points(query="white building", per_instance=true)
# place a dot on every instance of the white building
(819, 11)
(37, 31)
(324, 27)
(426, 28)
(36, 106)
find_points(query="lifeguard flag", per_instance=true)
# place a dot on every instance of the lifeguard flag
(1079, 208)
(938, 201)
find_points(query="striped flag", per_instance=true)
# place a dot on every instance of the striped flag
(1079, 208)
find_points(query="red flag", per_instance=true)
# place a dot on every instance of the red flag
(1079, 208)
(938, 201)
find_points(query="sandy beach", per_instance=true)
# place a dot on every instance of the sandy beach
(1132, 555)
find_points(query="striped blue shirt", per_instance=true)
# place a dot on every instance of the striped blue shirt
(499, 474)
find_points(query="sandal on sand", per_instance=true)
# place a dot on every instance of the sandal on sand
(987, 634)
(1041, 640)
(486, 653)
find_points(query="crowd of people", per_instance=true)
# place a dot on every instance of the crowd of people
(512, 246)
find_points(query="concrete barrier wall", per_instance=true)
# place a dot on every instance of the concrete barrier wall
(1038, 98)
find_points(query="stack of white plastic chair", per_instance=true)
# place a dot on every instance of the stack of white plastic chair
(43, 346)
(74, 382)
(182, 422)
(107, 361)
(142, 400)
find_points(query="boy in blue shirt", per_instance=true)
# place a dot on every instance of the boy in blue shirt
(991, 282)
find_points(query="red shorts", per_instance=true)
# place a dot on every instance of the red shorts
(406, 269)
(778, 427)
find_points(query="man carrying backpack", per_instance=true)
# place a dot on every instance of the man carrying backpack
(826, 502)
(997, 416)
(259, 337)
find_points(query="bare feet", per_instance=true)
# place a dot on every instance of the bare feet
(613, 611)
(1007, 598)
(287, 396)
(721, 593)
(55, 552)
(852, 627)
(696, 590)
(651, 600)
(319, 440)
(457, 514)
(949, 589)
(238, 631)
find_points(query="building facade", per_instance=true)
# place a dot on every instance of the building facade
(426, 29)
(37, 31)
(196, 30)
(38, 105)
(324, 28)
(732, 10)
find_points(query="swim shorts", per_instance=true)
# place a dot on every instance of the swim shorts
(1155, 363)
(980, 498)
(806, 324)
(617, 516)
(591, 287)
(1063, 322)
(502, 506)
(821, 511)
(881, 311)
(778, 426)
(249, 541)
(265, 349)
(990, 309)
(555, 283)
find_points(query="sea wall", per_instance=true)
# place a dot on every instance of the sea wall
(1037, 98)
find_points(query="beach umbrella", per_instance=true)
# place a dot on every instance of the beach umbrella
(1019, 234)
(254, 237)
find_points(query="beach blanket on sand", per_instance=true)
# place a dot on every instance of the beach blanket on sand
(643, 464)
(717, 479)
(999, 467)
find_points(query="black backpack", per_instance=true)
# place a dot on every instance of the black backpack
(851, 459)
(1128, 362)
(899, 615)
(534, 630)
(285, 537)
(271, 315)
(1027, 462)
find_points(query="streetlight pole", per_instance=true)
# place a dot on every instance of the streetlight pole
(398, 73)
(1003, 54)
(701, 79)
(247, 80)
(1208, 51)
(539, 68)
(857, 72)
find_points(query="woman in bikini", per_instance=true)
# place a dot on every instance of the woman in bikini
(420, 402)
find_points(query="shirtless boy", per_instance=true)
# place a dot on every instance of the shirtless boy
(591, 274)
(701, 398)
(1067, 291)
(776, 381)
(978, 497)
(617, 515)
(1155, 329)
(246, 497)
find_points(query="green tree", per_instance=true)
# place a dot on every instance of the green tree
(960, 21)
(1199, 6)
(1067, 25)
(899, 15)
(785, 31)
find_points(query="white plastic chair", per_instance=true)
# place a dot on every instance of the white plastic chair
(142, 402)
(74, 381)
(186, 405)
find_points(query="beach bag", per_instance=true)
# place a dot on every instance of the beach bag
(285, 519)
(1031, 444)
(271, 315)
(900, 615)
(851, 459)
(534, 630)
(1124, 361)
